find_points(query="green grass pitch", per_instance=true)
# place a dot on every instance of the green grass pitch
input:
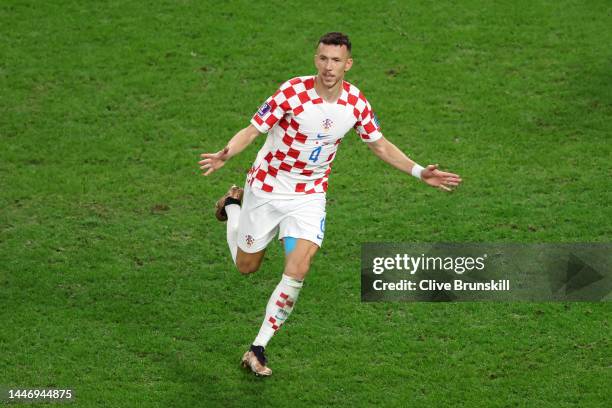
(115, 280)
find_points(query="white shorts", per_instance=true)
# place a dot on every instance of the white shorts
(261, 218)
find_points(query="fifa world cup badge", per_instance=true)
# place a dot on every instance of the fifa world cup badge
(265, 108)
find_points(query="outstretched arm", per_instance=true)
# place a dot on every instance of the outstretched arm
(388, 152)
(214, 161)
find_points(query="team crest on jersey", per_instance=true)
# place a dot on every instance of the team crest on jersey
(265, 108)
(249, 240)
(327, 124)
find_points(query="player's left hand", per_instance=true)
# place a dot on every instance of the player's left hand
(213, 161)
(440, 179)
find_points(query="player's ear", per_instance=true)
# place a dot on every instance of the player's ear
(349, 64)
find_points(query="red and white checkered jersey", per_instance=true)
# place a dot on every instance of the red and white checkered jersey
(304, 132)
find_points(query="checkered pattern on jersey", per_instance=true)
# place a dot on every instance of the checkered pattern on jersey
(292, 96)
(282, 109)
(366, 125)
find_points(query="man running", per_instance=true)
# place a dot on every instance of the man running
(306, 120)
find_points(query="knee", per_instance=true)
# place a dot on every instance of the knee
(298, 268)
(247, 267)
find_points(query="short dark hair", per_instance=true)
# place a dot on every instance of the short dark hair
(335, 38)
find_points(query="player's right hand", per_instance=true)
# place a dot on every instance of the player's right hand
(213, 161)
(442, 180)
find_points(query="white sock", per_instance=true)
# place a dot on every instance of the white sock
(279, 308)
(233, 215)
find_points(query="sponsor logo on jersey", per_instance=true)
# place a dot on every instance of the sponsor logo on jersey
(327, 124)
(265, 108)
(249, 240)
(323, 135)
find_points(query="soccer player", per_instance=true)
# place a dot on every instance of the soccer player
(306, 120)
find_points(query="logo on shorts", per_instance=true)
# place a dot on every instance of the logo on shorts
(320, 236)
(265, 108)
(249, 240)
(327, 124)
